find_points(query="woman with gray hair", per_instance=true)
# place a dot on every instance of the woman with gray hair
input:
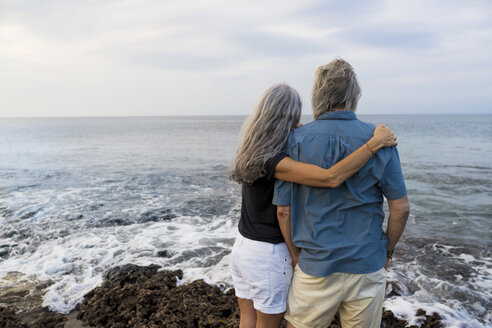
(261, 263)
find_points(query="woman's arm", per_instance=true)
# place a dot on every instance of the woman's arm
(283, 216)
(311, 175)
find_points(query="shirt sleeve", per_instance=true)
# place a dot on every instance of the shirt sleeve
(393, 185)
(272, 163)
(282, 193)
(283, 190)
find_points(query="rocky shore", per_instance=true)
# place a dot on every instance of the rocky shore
(143, 297)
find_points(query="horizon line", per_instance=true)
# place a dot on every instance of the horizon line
(221, 115)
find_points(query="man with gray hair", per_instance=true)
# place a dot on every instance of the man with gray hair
(336, 235)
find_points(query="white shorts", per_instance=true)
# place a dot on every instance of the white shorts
(262, 272)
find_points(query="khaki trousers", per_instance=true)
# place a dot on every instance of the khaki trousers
(313, 301)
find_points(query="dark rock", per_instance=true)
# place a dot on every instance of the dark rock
(433, 321)
(394, 289)
(132, 296)
(336, 322)
(390, 321)
(6, 212)
(24, 301)
(112, 222)
(10, 234)
(160, 214)
(96, 207)
(131, 272)
(429, 321)
(129, 297)
(41, 317)
(28, 215)
(197, 305)
(44, 318)
(76, 217)
(8, 319)
(164, 253)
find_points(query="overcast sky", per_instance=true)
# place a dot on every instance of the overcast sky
(216, 57)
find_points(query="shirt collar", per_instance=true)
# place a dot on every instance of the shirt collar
(338, 115)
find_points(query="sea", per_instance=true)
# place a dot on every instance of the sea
(81, 195)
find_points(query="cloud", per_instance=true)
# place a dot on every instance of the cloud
(273, 44)
(225, 53)
(186, 62)
(404, 36)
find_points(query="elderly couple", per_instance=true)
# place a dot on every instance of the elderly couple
(311, 240)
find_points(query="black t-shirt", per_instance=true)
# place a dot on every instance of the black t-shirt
(258, 214)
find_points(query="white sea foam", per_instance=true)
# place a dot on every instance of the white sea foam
(76, 262)
(406, 307)
(216, 275)
(434, 293)
(56, 216)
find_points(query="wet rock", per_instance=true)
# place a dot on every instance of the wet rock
(95, 207)
(128, 297)
(29, 215)
(21, 305)
(9, 234)
(43, 318)
(164, 253)
(8, 319)
(336, 322)
(197, 305)
(113, 222)
(160, 214)
(6, 212)
(394, 289)
(133, 296)
(131, 273)
(429, 321)
(206, 207)
(75, 217)
(390, 321)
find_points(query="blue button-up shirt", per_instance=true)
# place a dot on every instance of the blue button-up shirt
(340, 229)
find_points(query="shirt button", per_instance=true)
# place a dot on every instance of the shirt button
(285, 260)
(284, 273)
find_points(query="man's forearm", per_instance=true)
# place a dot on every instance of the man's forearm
(399, 211)
(395, 230)
(283, 215)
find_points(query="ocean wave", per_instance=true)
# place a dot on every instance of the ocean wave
(449, 277)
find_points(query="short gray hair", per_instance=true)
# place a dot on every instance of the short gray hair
(335, 86)
(265, 132)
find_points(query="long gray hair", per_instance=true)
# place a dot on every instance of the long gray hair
(265, 132)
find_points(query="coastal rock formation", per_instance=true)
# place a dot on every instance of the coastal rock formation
(21, 304)
(41, 317)
(8, 319)
(133, 296)
(136, 297)
(160, 214)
